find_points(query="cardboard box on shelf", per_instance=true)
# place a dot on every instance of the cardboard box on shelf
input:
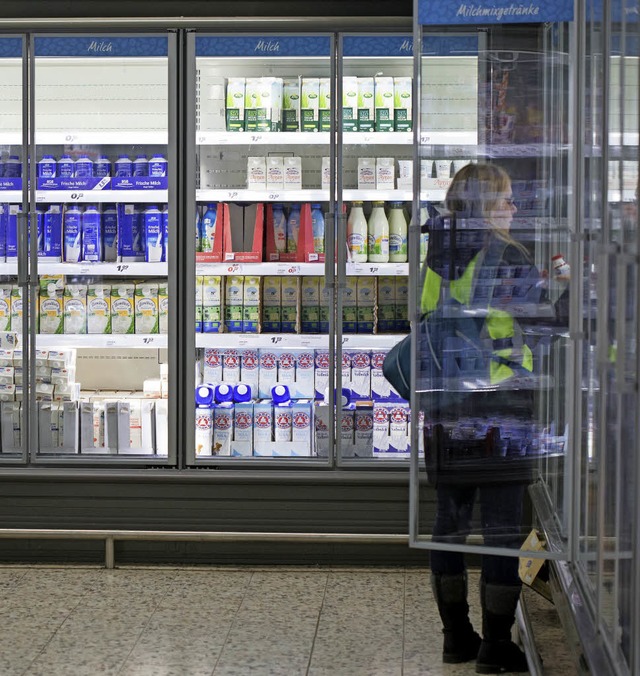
(535, 572)
(243, 232)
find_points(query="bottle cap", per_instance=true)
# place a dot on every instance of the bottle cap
(280, 394)
(224, 393)
(204, 395)
(241, 393)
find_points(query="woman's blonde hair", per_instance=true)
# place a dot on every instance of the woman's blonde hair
(476, 191)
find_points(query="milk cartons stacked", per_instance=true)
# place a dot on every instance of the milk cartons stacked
(235, 103)
(110, 234)
(122, 308)
(366, 104)
(211, 304)
(350, 103)
(153, 234)
(309, 104)
(99, 308)
(290, 297)
(310, 304)
(268, 374)
(204, 420)
(234, 292)
(251, 304)
(365, 301)
(271, 304)
(146, 308)
(291, 104)
(51, 305)
(75, 308)
(384, 103)
(402, 102)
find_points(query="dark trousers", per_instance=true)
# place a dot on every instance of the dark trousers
(501, 517)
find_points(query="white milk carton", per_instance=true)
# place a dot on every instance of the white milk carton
(275, 173)
(405, 174)
(222, 429)
(385, 173)
(268, 376)
(402, 103)
(380, 428)
(51, 305)
(235, 103)
(242, 444)
(234, 295)
(347, 428)
(211, 304)
(292, 168)
(309, 104)
(366, 104)
(6, 358)
(231, 366)
(5, 307)
(163, 308)
(69, 427)
(301, 428)
(256, 173)
(262, 423)
(7, 374)
(364, 432)
(350, 306)
(324, 104)
(287, 368)
(99, 308)
(321, 373)
(282, 423)
(271, 304)
(252, 103)
(398, 429)
(349, 103)
(346, 369)
(251, 304)
(147, 420)
(123, 307)
(204, 430)
(379, 384)
(198, 304)
(326, 173)
(146, 308)
(366, 173)
(16, 308)
(212, 365)
(7, 392)
(360, 374)
(321, 429)
(291, 104)
(10, 426)
(75, 308)
(384, 98)
(304, 387)
(290, 303)
(250, 370)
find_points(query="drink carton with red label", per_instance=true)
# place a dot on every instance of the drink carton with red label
(250, 370)
(304, 387)
(321, 373)
(364, 432)
(222, 429)
(360, 373)
(301, 428)
(268, 374)
(212, 372)
(231, 366)
(242, 444)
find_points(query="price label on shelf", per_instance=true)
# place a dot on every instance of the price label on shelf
(235, 269)
(72, 138)
(122, 267)
(85, 270)
(242, 342)
(232, 194)
(274, 196)
(256, 138)
(276, 340)
(148, 340)
(425, 138)
(201, 139)
(110, 342)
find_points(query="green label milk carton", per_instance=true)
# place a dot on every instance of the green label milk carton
(291, 104)
(75, 308)
(146, 308)
(233, 303)
(402, 103)
(5, 307)
(366, 104)
(51, 305)
(310, 103)
(384, 104)
(163, 308)
(235, 103)
(324, 104)
(99, 308)
(350, 103)
(122, 307)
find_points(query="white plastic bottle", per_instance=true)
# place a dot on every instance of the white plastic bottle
(397, 234)
(357, 233)
(378, 234)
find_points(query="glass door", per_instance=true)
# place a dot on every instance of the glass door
(13, 263)
(491, 349)
(103, 199)
(262, 232)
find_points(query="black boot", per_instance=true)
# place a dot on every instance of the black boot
(497, 652)
(461, 642)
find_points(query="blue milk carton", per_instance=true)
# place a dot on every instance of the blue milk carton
(102, 166)
(11, 247)
(165, 233)
(92, 234)
(242, 444)
(153, 234)
(110, 234)
(4, 217)
(250, 370)
(52, 234)
(72, 220)
(129, 235)
(157, 166)
(141, 166)
(66, 167)
(47, 167)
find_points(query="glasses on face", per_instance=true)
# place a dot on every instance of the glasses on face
(509, 201)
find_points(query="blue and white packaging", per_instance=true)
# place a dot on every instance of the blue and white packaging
(223, 393)
(301, 428)
(204, 395)
(360, 373)
(321, 373)
(47, 167)
(92, 234)
(364, 432)
(52, 226)
(399, 429)
(262, 424)
(231, 366)
(13, 167)
(4, 218)
(241, 393)
(102, 166)
(84, 167)
(66, 167)
(287, 368)
(123, 166)
(212, 372)
(381, 413)
(129, 249)
(157, 166)
(11, 247)
(138, 226)
(204, 430)
(321, 429)
(242, 444)
(268, 375)
(222, 429)
(110, 234)
(153, 234)
(305, 380)
(347, 430)
(72, 220)
(165, 233)
(250, 370)
(39, 231)
(141, 166)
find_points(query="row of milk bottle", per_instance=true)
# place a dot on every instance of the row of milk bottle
(382, 238)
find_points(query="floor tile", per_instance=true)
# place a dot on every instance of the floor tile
(164, 670)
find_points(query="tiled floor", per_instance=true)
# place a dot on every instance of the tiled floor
(232, 622)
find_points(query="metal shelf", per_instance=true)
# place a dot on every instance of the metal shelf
(101, 196)
(257, 340)
(298, 269)
(155, 341)
(217, 138)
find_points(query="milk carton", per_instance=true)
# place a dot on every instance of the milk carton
(350, 306)
(271, 304)
(198, 302)
(211, 304)
(286, 368)
(251, 304)
(346, 369)
(5, 307)
(384, 103)
(290, 303)
(402, 305)
(385, 173)
(292, 168)
(398, 429)
(146, 308)
(162, 427)
(364, 432)
(256, 173)
(305, 382)
(274, 86)
(386, 304)
(212, 365)
(252, 100)
(268, 375)
(324, 104)
(366, 173)
(402, 103)
(234, 293)
(310, 304)
(360, 374)
(309, 103)
(275, 173)
(366, 104)
(347, 426)
(16, 308)
(75, 308)
(163, 307)
(349, 103)
(99, 308)
(380, 428)
(250, 370)
(365, 301)
(242, 444)
(321, 428)
(235, 103)
(6, 375)
(123, 308)
(10, 426)
(262, 423)
(291, 104)
(231, 366)
(379, 384)
(301, 428)
(326, 173)
(263, 104)
(222, 429)
(321, 373)
(204, 431)
(51, 305)
(283, 420)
